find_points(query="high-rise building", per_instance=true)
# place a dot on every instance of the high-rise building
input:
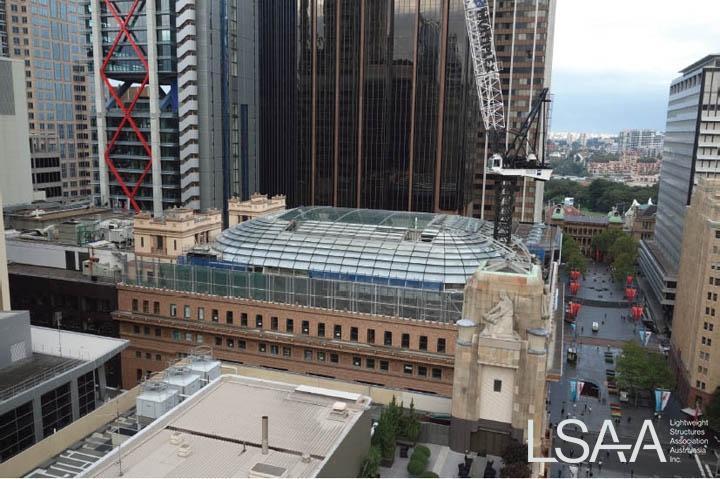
(524, 35)
(15, 181)
(692, 137)
(177, 87)
(4, 281)
(47, 37)
(367, 104)
(648, 141)
(3, 31)
(697, 311)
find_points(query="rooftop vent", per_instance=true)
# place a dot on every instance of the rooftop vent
(266, 470)
(176, 438)
(184, 450)
(306, 458)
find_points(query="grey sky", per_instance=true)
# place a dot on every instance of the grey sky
(614, 59)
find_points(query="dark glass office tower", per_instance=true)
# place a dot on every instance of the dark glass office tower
(367, 103)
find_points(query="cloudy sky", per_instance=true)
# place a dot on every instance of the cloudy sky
(614, 59)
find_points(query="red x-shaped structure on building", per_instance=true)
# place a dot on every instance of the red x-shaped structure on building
(126, 109)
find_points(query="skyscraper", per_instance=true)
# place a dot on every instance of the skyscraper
(175, 85)
(692, 138)
(524, 32)
(377, 102)
(47, 37)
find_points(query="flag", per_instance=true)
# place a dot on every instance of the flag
(661, 399)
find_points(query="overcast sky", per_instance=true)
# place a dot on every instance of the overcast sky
(614, 59)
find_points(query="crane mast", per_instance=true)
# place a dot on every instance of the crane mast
(518, 160)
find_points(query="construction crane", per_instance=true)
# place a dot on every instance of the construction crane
(519, 159)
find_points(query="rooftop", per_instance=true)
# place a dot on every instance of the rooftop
(595, 220)
(209, 435)
(31, 371)
(373, 246)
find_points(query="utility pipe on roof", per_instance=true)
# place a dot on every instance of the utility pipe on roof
(264, 435)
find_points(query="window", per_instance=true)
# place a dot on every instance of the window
(156, 307)
(422, 345)
(218, 341)
(186, 312)
(146, 330)
(422, 371)
(134, 304)
(703, 339)
(243, 320)
(215, 315)
(407, 368)
(321, 356)
(334, 358)
(287, 352)
(136, 329)
(158, 357)
(353, 334)
(321, 330)
(289, 325)
(229, 317)
(388, 338)
(158, 332)
(308, 355)
(337, 332)
(441, 345)
(201, 314)
(230, 342)
(370, 363)
(138, 374)
(274, 323)
(436, 373)
(241, 344)
(405, 340)
(200, 339)
(274, 349)
(705, 325)
(262, 347)
(384, 365)
(258, 320)
(305, 327)
(146, 306)
(356, 361)
(138, 354)
(497, 385)
(371, 336)
(148, 356)
(173, 310)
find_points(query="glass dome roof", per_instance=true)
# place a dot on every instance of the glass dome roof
(399, 248)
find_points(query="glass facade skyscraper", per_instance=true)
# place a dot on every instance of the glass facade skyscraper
(367, 103)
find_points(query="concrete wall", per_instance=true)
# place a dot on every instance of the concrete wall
(16, 187)
(15, 337)
(53, 445)
(347, 458)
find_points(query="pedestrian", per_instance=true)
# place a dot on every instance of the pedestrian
(599, 466)
(632, 473)
(582, 329)
(590, 409)
(629, 418)
(607, 454)
(585, 407)
(562, 411)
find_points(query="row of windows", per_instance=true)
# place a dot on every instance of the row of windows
(311, 355)
(139, 355)
(289, 326)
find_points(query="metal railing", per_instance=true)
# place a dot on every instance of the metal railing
(39, 378)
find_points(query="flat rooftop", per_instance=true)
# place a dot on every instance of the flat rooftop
(29, 372)
(220, 427)
(49, 272)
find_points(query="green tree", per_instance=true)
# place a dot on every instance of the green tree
(371, 464)
(604, 241)
(712, 411)
(639, 369)
(574, 259)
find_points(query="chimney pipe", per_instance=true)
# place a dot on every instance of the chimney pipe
(264, 435)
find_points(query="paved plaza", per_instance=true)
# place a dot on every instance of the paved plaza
(591, 368)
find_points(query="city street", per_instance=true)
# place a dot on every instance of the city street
(594, 404)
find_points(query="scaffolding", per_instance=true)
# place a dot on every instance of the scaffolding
(355, 297)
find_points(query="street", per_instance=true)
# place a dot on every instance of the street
(593, 406)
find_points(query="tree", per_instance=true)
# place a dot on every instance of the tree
(639, 369)
(600, 195)
(604, 241)
(515, 470)
(574, 259)
(371, 465)
(712, 411)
